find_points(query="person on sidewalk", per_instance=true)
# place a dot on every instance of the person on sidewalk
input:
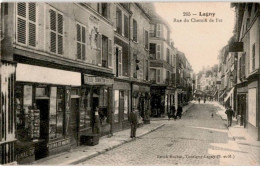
(179, 111)
(133, 121)
(230, 113)
(199, 100)
(172, 112)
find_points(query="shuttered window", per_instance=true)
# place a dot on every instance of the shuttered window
(81, 42)
(56, 32)
(26, 23)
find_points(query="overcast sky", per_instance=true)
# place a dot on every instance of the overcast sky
(200, 41)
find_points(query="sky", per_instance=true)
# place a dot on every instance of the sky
(200, 41)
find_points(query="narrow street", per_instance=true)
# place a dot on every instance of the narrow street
(196, 139)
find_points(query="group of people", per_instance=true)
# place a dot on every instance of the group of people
(175, 114)
(203, 100)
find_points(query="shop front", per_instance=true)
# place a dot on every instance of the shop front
(158, 101)
(241, 104)
(47, 111)
(141, 101)
(122, 106)
(96, 95)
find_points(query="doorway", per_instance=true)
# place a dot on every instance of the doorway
(74, 122)
(42, 149)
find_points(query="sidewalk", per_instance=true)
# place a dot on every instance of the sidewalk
(185, 109)
(240, 135)
(82, 153)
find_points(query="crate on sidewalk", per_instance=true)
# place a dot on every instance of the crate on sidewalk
(90, 139)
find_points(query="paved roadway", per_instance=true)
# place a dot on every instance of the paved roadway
(196, 139)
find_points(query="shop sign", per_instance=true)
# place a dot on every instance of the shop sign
(38, 74)
(179, 90)
(95, 80)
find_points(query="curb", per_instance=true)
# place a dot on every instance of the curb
(79, 160)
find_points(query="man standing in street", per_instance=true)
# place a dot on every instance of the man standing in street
(229, 112)
(133, 122)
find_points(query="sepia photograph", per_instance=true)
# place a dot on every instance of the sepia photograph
(129, 83)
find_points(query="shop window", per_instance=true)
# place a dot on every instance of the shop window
(26, 23)
(81, 41)
(28, 119)
(56, 32)
(85, 109)
(57, 106)
(116, 112)
(126, 98)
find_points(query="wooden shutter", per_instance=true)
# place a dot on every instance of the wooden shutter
(53, 29)
(78, 41)
(60, 34)
(109, 53)
(21, 22)
(83, 42)
(32, 24)
(158, 51)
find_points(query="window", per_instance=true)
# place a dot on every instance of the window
(152, 30)
(134, 30)
(167, 75)
(168, 55)
(146, 39)
(153, 75)
(104, 51)
(126, 26)
(105, 10)
(118, 21)
(81, 42)
(158, 52)
(56, 32)
(152, 51)
(158, 30)
(158, 75)
(253, 57)
(119, 61)
(26, 23)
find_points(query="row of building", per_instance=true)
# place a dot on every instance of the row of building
(239, 73)
(62, 61)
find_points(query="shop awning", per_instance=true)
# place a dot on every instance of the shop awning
(229, 94)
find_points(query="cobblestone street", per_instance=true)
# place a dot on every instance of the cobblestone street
(196, 139)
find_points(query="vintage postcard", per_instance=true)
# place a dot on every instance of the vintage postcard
(130, 83)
